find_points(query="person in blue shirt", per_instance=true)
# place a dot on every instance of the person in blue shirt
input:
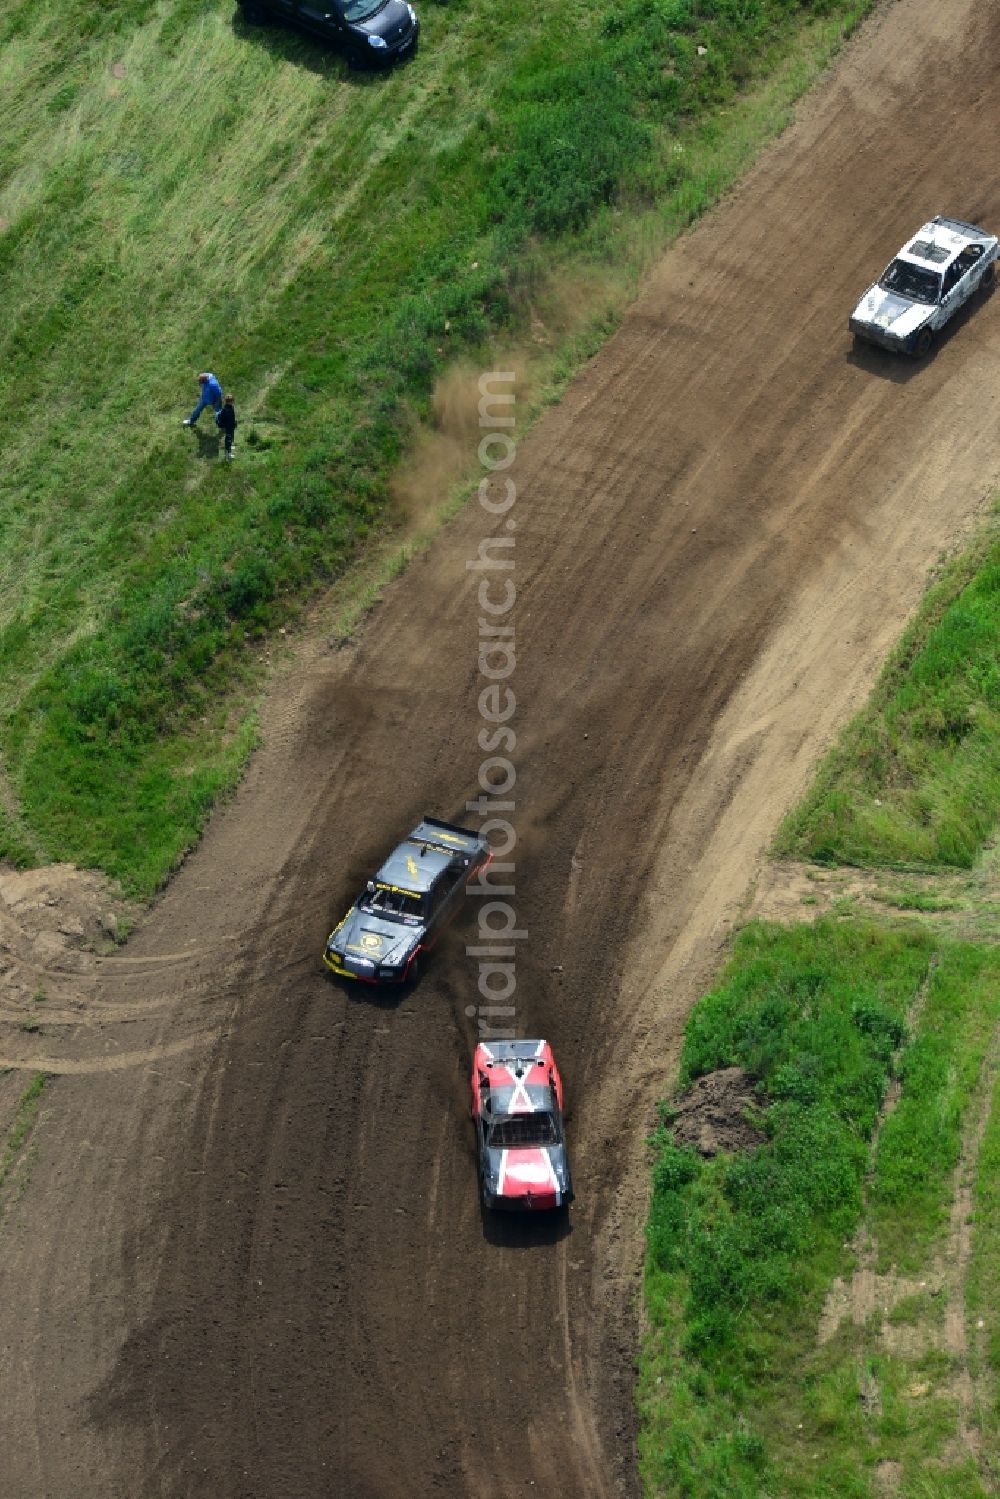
(211, 395)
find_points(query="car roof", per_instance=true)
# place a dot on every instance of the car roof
(413, 866)
(517, 1076)
(935, 245)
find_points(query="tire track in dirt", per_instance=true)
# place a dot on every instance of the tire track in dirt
(277, 1280)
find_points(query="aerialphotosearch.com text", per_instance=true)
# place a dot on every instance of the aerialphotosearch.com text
(498, 933)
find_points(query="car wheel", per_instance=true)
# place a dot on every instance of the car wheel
(922, 347)
(989, 280)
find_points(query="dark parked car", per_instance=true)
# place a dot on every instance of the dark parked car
(367, 30)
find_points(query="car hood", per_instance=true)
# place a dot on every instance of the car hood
(364, 935)
(536, 1173)
(890, 312)
(390, 23)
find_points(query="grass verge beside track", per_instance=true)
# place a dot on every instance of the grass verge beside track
(179, 192)
(915, 778)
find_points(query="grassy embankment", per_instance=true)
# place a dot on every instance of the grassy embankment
(179, 192)
(821, 1310)
(915, 778)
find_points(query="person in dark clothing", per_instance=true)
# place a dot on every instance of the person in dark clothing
(211, 395)
(226, 421)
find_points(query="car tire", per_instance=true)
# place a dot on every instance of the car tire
(989, 280)
(923, 343)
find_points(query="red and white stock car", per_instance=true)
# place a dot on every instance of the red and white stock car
(517, 1108)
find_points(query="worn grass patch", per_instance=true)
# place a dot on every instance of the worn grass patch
(983, 1279)
(21, 1127)
(919, 1145)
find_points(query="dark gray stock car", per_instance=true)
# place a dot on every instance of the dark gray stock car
(402, 912)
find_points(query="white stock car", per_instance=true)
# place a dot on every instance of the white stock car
(934, 274)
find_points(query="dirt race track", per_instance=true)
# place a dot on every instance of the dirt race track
(250, 1259)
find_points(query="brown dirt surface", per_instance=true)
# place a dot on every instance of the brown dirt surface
(716, 1113)
(54, 924)
(251, 1260)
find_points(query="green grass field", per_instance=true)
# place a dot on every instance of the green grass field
(179, 192)
(742, 1392)
(915, 778)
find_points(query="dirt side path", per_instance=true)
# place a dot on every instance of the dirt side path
(251, 1260)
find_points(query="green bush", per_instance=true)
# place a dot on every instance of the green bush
(573, 138)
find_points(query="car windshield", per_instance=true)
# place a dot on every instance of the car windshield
(397, 905)
(912, 281)
(359, 10)
(524, 1130)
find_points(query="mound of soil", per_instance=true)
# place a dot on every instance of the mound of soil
(716, 1113)
(52, 923)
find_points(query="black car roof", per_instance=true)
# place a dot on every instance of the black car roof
(413, 866)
